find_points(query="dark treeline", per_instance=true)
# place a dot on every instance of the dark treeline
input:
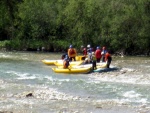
(120, 25)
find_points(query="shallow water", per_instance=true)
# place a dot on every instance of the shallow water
(120, 91)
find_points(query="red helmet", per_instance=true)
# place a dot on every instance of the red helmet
(104, 47)
(84, 49)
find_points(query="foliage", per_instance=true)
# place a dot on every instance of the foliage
(4, 44)
(116, 24)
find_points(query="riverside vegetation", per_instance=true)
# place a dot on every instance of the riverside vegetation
(121, 25)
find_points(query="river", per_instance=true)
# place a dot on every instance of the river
(124, 90)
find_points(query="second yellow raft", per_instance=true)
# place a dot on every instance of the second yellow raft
(72, 70)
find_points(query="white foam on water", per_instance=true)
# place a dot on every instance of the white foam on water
(2, 55)
(137, 101)
(143, 100)
(23, 101)
(52, 79)
(114, 101)
(131, 94)
(5, 107)
(55, 80)
(25, 77)
(49, 78)
(125, 101)
(14, 73)
(1, 81)
(148, 66)
(125, 75)
(22, 76)
(44, 93)
(127, 69)
(122, 79)
(13, 56)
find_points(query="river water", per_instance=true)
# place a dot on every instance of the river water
(124, 90)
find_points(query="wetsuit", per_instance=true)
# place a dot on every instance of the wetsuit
(108, 59)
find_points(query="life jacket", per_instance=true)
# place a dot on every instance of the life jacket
(93, 58)
(72, 52)
(107, 56)
(89, 56)
(65, 63)
(84, 52)
(98, 53)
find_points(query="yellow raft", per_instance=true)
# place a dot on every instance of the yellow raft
(98, 65)
(72, 70)
(50, 62)
(71, 63)
(53, 62)
(80, 58)
(101, 65)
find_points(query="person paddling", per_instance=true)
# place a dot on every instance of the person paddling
(84, 52)
(66, 62)
(103, 54)
(108, 58)
(72, 53)
(93, 61)
(63, 56)
(98, 54)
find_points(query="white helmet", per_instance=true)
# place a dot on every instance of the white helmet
(86, 59)
(88, 45)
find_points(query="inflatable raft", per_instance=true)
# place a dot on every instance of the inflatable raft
(80, 58)
(50, 62)
(72, 70)
(98, 65)
(71, 63)
(59, 62)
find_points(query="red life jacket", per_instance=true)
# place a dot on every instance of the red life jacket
(98, 53)
(72, 51)
(107, 56)
(85, 52)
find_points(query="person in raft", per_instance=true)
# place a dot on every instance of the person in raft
(86, 61)
(84, 52)
(98, 54)
(103, 54)
(93, 61)
(66, 62)
(88, 48)
(81, 49)
(108, 58)
(89, 56)
(72, 53)
(63, 56)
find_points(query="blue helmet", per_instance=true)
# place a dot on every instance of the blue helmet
(70, 46)
(98, 47)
